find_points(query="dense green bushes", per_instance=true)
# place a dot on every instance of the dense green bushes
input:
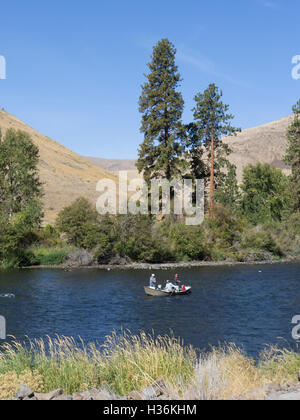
(228, 236)
(266, 194)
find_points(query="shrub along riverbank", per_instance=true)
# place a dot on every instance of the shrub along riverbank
(128, 363)
(84, 238)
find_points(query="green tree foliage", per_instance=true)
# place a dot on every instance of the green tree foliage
(292, 156)
(80, 222)
(20, 196)
(161, 105)
(266, 194)
(260, 240)
(187, 242)
(20, 187)
(228, 194)
(223, 232)
(138, 240)
(213, 122)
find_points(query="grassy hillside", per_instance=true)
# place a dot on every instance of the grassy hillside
(65, 174)
(265, 144)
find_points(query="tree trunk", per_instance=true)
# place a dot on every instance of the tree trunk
(212, 179)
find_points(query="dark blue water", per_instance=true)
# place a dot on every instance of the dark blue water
(228, 304)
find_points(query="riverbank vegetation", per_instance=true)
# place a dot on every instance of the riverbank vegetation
(257, 219)
(126, 363)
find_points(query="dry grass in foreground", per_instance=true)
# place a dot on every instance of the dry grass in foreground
(132, 362)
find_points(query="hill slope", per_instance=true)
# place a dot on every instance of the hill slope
(113, 165)
(65, 174)
(265, 143)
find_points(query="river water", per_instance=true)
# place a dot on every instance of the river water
(252, 306)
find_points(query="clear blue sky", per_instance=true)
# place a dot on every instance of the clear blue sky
(74, 68)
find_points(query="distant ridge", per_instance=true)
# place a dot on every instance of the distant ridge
(265, 143)
(65, 174)
(113, 165)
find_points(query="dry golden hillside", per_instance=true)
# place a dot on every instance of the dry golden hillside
(65, 174)
(265, 143)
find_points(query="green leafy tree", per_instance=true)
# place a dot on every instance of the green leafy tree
(187, 242)
(228, 194)
(162, 106)
(213, 122)
(292, 156)
(20, 187)
(266, 194)
(80, 223)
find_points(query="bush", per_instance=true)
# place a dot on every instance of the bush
(266, 194)
(80, 222)
(49, 236)
(47, 256)
(187, 242)
(260, 240)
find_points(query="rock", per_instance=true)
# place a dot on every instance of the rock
(79, 258)
(77, 396)
(136, 396)
(101, 395)
(24, 392)
(290, 396)
(289, 392)
(63, 398)
(49, 396)
(157, 389)
(82, 396)
(96, 395)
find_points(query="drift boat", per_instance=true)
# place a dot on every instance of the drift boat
(151, 291)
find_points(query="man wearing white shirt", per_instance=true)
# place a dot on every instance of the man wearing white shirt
(169, 286)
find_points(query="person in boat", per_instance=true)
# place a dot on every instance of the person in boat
(153, 281)
(169, 286)
(177, 281)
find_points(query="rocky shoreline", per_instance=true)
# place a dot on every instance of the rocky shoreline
(163, 266)
(157, 391)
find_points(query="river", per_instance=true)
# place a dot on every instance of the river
(252, 306)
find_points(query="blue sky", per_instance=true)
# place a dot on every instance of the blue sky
(74, 68)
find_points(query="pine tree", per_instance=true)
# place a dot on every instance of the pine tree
(162, 106)
(292, 156)
(213, 122)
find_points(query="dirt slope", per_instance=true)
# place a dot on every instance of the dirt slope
(65, 174)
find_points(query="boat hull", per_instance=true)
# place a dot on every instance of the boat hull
(160, 292)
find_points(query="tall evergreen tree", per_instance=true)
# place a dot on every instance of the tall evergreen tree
(162, 106)
(292, 156)
(213, 122)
